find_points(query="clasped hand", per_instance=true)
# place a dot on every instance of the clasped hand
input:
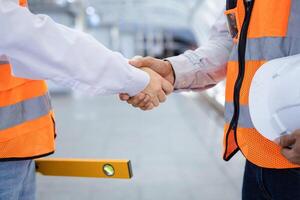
(161, 83)
(290, 145)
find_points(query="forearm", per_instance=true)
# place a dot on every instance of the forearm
(206, 66)
(39, 48)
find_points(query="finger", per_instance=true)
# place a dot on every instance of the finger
(124, 97)
(143, 108)
(155, 101)
(149, 106)
(287, 140)
(288, 153)
(136, 99)
(146, 105)
(162, 97)
(146, 100)
(277, 141)
(131, 100)
(143, 102)
(167, 87)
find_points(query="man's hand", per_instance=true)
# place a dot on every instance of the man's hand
(163, 68)
(154, 93)
(291, 147)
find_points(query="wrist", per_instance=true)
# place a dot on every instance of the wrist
(171, 73)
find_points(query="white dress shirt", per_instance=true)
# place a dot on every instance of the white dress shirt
(206, 66)
(38, 48)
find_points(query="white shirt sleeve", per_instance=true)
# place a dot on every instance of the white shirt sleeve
(38, 48)
(206, 66)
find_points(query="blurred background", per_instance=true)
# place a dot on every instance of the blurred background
(176, 150)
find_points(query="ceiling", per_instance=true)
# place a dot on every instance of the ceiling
(166, 13)
(157, 12)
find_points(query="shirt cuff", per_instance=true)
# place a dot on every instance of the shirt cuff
(182, 68)
(138, 81)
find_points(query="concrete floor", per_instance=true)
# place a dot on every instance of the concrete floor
(176, 151)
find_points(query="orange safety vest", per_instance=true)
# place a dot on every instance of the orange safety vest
(26, 119)
(272, 32)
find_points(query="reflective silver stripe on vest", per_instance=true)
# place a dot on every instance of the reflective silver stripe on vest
(268, 48)
(294, 20)
(244, 118)
(19, 113)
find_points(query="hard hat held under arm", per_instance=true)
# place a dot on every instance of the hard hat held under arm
(274, 99)
(39, 48)
(206, 66)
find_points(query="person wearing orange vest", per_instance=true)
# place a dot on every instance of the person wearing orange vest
(34, 48)
(258, 31)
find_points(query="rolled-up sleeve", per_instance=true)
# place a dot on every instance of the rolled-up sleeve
(206, 66)
(39, 48)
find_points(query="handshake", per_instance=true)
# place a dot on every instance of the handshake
(161, 83)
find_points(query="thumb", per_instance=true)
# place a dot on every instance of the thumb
(136, 62)
(147, 62)
(287, 140)
(167, 87)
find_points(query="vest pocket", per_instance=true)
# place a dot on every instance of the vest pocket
(235, 18)
(232, 23)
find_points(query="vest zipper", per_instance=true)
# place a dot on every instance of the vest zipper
(239, 81)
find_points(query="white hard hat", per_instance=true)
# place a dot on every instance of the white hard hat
(274, 99)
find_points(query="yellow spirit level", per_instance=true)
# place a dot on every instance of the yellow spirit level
(118, 169)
